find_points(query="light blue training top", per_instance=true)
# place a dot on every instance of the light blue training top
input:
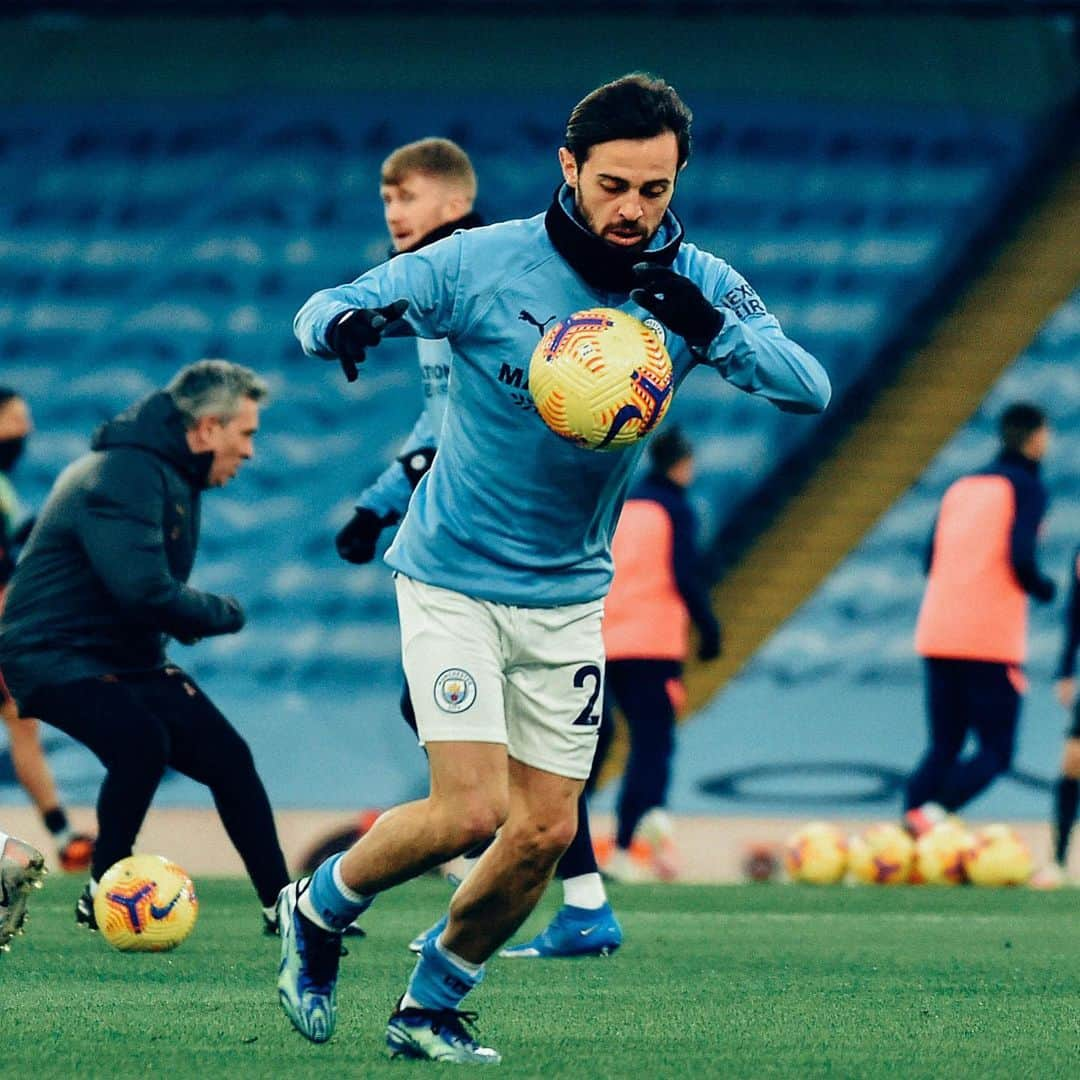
(389, 495)
(510, 512)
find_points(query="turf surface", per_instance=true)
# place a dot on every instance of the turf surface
(741, 981)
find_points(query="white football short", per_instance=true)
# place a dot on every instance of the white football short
(529, 678)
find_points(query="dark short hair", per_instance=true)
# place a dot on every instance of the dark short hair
(1018, 423)
(668, 448)
(7, 394)
(636, 106)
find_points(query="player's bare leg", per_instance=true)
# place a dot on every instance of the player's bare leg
(511, 876)
(505, 885)
(31, 769)
(467, 804)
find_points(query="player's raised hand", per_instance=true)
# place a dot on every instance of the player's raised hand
(677, 302)
(355, 331)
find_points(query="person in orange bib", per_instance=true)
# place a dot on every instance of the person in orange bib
(656, 594)
(972, 626)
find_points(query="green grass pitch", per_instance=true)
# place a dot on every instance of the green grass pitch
(741, 981)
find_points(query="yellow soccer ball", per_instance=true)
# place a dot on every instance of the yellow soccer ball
(145, 903)
(817, 854)
(881, 855)
(601, 379)
(998, 857)
(940, 855)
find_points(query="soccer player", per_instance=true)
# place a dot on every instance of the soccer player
(503, 559)
(1067, 788)
(972, 626)
(27, 756)
(100, 586)
(428, 189)
(657, 592)
(21, 869)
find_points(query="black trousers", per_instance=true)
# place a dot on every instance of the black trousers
(640, 689)
(965, 697)
(138, 726)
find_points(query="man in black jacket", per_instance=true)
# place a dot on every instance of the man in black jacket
(103, 582)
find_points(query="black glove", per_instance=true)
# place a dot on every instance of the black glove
(710, 642)
(354, 331)
(356, 542)
(677, 302)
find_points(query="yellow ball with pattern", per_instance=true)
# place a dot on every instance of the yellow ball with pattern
(145, 903)
(601, 379)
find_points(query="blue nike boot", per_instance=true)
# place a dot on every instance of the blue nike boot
(307, 976)
(574, 931)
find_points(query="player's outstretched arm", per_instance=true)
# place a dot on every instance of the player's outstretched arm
(732, 331)
(412, 294)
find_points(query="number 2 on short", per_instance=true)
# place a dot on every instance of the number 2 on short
(587, 718)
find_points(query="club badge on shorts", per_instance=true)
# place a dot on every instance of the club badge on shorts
(455, 690)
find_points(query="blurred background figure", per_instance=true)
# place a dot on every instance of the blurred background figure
(1067, 786)
(74, 850)
(101, 591)
(972, 627)
(657, 593)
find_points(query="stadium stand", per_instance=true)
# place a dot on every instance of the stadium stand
(136, 238)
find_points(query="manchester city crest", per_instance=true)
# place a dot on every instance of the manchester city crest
(455, 690)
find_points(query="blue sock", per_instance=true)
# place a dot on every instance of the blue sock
(438, 982)
(328, 901)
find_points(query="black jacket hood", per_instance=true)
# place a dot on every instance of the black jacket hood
(156, 425)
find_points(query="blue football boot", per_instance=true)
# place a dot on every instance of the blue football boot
(436, 1035)
(574, 931)
(307, 976)
(430, 934)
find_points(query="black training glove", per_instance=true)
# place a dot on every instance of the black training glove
(677, 302)
(353, 332)
(356, 541)
(710, 643)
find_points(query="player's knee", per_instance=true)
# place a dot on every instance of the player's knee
(541, 842)
(474, 822)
